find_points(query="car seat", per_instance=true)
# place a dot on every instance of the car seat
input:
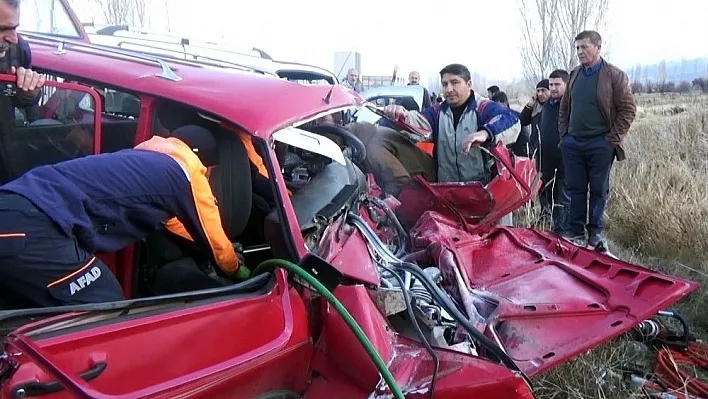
(230, 179)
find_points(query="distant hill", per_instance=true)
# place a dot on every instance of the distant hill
(676, 70)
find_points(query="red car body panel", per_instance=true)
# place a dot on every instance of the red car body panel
(474, 205)
(158, 357)
(541, 298)
(459, 376)
(551, 300)
(344, 251)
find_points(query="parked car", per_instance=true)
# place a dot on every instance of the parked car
(65, 23)
(222, 54)
(382, 96)
(446, 301)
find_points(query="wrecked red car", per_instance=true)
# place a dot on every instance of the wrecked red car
(452, 304)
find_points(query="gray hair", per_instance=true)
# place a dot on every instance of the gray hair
(594, 37)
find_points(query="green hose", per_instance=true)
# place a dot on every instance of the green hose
(380, 365)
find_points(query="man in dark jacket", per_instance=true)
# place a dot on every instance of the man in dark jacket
(531, 113)
(555, 202)
(55, 217)
(414, 80)
(15, 59)
(595, 115)
(520, 147)
(457, 128)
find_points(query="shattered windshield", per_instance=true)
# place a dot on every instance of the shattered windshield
(47, 17)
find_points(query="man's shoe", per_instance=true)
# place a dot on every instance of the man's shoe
(577, 239)
(598, 242)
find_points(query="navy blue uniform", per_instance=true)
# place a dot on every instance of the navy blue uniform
(54, 217)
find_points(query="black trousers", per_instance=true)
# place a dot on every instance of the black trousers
(40, 266)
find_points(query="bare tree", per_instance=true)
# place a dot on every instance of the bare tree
(142, 16)
(575, 16)
(637, 74)
(661, 73)
(549, 28)
(538, 38)
(124, 12)
(167, 15)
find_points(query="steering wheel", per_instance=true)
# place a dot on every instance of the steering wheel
(350, 141)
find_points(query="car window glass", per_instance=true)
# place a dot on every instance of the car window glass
(54, 130)
(47, 17)
(119, 119)
(62, 126)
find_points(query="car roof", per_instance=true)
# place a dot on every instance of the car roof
(260, 104)
(159, 44)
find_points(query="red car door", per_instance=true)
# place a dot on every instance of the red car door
(240, 341)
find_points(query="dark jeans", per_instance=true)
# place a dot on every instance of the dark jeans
(588, 161)
(555, 202)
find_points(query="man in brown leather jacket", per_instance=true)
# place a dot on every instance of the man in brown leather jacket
(595, 115)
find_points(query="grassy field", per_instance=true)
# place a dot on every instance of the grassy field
(657, 216)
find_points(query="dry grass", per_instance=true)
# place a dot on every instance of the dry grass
(657, 216)
(659, 200)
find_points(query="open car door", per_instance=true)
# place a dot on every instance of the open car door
(62, 126)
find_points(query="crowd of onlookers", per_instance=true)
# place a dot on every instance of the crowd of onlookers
(573, 126)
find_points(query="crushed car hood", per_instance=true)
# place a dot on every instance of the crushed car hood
(474, 205)
(539, 297)
(542, 299)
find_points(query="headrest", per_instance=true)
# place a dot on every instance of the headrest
(201, 141)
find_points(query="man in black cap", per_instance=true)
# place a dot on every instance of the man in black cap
(531, 114)
(55, 217)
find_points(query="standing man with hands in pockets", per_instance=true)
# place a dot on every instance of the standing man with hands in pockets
(595, 115)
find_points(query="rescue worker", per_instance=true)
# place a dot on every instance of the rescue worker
(457, 127)
(55, 217)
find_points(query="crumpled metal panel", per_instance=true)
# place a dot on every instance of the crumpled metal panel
(542, 298)
(345, 371)
(475, 206)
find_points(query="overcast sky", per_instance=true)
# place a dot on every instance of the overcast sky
(483, 35)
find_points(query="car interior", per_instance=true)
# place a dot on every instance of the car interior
(61, 128)
(172, 264)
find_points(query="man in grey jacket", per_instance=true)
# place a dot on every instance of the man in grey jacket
(459, 125)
